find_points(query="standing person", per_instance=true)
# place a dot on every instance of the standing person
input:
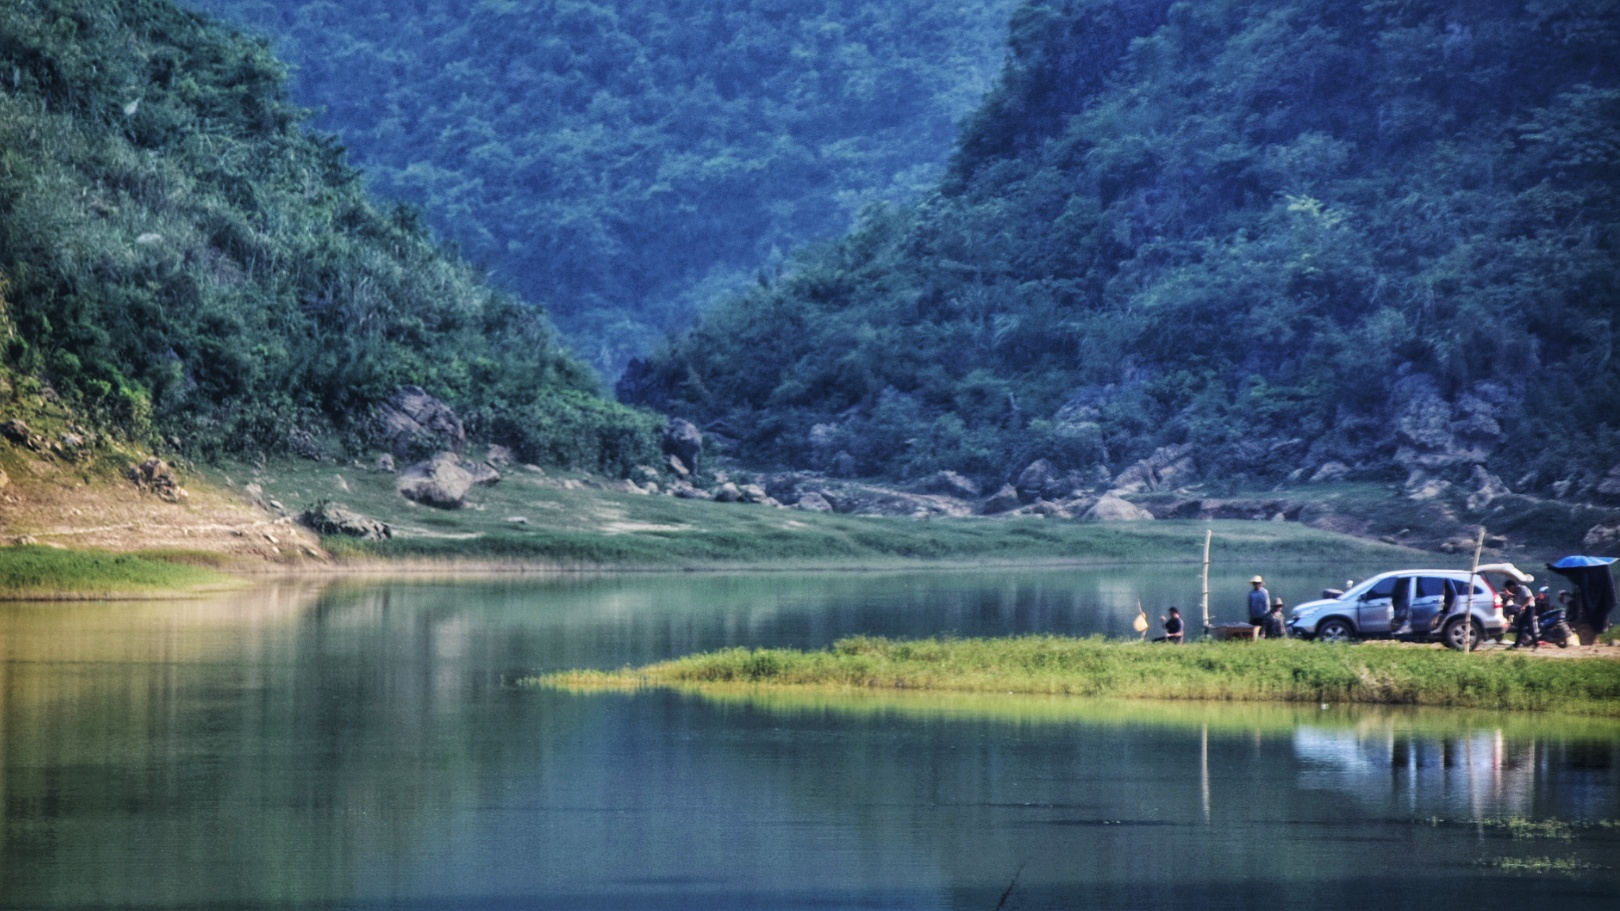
(1526, 631)
(1259, 602)
(1174, 629)
(1275, 626)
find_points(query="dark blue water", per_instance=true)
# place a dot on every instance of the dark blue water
(365, 746)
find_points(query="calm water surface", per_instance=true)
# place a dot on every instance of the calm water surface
(363, 746)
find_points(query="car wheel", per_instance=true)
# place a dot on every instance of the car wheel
(1460, 637)
(1336, 630)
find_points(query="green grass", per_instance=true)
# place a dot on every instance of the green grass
(1285, 671)
(586, 526)
(47, 573)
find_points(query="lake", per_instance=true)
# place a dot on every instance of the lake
(364, 745)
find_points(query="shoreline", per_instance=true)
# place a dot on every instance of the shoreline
(1289, 671)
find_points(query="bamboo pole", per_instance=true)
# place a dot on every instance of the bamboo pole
(1208, 533)
(1468, 630)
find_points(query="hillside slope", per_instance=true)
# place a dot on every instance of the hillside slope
(624, 160)
(1260, 239)
(184, 265)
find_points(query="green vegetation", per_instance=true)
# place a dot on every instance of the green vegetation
(624, 160)
(182, 261)
(1288, 671)
(568, 519)
(48, 573)
(1281, 233)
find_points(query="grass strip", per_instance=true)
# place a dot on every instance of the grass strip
(1282, 671)
(33, 573)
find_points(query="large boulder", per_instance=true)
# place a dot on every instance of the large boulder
(411, 424)
(683, 441)
(813, 502)
(1110, 508)
(950, 484)
(1036, 479)
(332, 519)
(439, 482)
(1004, 500)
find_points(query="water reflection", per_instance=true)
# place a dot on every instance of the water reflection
(360, 746)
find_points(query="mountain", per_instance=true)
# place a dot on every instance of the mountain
(1256, 241)
(623, 161)
(182, 261)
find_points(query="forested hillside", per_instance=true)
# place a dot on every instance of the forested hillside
(624, 160)
(180, 258)
(1274, 235)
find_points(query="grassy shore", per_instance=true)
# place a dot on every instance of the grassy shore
(49, 574)
(1288, 671)
(559, 519)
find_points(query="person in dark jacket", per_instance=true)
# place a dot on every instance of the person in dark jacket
(1174, 629)
(1526, 628)
(1275, 626)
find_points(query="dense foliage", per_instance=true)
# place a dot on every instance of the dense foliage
(623, 160)
(1271, 230)
(179, 255)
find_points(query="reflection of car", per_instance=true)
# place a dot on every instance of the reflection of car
(1407, 604)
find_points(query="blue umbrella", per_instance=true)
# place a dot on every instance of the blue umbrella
(1576, 562)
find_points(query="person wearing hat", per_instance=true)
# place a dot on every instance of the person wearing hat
(1275, 626)
(1259, 602)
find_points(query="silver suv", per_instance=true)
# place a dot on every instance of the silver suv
(1417, 605)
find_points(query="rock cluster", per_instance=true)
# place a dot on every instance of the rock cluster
(332, 519)
(157, 477)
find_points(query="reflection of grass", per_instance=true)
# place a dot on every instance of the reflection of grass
(1225, 717)
(47, 572)
(1539, 864)
(1287, 671)
(1521, 827)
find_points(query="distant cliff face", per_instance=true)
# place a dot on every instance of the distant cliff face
(181, 260)
(1279, 236)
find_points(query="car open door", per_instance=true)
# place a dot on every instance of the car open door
(1374, 609)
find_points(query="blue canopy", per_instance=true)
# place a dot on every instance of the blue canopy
(1575, 562)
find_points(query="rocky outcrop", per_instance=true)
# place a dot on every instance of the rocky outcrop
(332, 519)
(1602, 538)
(683, 443)
(439, 482)
(1329, 472)
(18, 433)
(1433, 434)
(157, 477)
(1167, 467)
(411, 424)
(1111, 508)
(1487, 489)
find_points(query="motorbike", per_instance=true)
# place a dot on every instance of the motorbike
(1551, 628)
